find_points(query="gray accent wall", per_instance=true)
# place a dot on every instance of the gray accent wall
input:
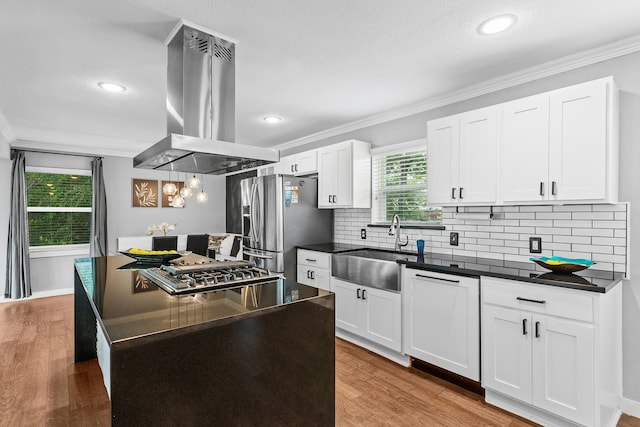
(625, 70)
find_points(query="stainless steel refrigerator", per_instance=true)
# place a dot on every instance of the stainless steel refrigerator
(280, 212)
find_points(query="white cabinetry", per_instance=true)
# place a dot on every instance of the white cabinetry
(368, 312)
(462, 158)
(344, 175)
(441, 320)
(551, 354)
(561, 145)
(298, 164)
(314, 269)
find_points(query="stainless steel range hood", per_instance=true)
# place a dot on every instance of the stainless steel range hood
(201, 110)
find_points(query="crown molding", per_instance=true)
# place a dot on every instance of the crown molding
(92, 145)
(550, 68)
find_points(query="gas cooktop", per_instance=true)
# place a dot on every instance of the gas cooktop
(195, 273)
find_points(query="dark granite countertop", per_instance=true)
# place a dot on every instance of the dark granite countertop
(128, 306)
(591, 279)
(332, 248)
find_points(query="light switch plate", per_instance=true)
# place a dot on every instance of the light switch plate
(363, 233)
(535, 245)
(453, 238)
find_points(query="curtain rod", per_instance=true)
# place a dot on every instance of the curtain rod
(32, 150)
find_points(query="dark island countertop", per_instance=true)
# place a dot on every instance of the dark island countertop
(127, 305)
(591, 279)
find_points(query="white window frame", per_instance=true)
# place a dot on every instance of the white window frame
(58, 250)
(418, 144)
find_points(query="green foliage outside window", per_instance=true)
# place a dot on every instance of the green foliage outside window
(52, 208)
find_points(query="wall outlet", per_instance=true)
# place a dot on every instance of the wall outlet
(363, 233)
(535, 245)
(453, 239)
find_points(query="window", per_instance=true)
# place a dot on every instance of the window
(58, 206)
(399, 185)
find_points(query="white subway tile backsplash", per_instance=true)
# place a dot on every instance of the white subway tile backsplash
(595, 232)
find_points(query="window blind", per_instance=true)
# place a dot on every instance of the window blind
(58, 208)
(399, 185)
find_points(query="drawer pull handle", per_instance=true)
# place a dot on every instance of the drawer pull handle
(537, 301)
(542, 188)
(453, 193)
(364, 294)
(524, 326)
(311, 260)
(308, 274)
(537, 329)
(313, 275)
(358, 293)
(553, 188)
(437, 278)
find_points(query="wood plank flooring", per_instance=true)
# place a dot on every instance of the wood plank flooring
(41, 386)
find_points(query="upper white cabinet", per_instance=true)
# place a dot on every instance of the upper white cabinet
(298, 164)
(561, 146)
(344, 175)
(462, 158)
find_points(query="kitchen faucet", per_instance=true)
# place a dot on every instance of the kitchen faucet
(394, 230)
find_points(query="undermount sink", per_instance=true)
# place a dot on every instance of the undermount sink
(370, 267)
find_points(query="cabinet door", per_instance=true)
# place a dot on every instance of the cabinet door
(442, 160)
(349, 307)
(506, 351)
(478, 156)
(318, 277)
(563, 368)
(285, 166)
(326, 177)
(382, 317)
(306, 162)
(343, 175)
(442, 321)
(524, 150)
(578, 134)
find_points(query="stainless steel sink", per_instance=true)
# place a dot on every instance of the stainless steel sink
(370, 267)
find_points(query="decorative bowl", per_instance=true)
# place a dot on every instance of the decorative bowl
(154, 258)
(563, 265)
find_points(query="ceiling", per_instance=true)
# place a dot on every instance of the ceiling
(317, 64)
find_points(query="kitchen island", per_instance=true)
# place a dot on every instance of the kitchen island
(254, 354)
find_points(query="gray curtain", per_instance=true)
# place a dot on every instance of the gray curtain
(99, 212)
(18, 284)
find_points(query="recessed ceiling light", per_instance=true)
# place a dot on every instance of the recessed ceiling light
(112, 87)
(272, 119)
(497, 24)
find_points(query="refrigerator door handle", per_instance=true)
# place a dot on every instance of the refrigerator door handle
(253, 214)
(257, 255)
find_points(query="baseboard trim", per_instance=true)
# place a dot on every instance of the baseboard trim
(41, 294)
(394, 356)
(630, 407)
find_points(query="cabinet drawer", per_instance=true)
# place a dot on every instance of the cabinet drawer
(317, 277)
(315, 259)
(537, 298)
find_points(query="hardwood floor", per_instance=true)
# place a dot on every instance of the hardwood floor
(41, 386)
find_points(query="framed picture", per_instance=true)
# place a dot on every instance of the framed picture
(140, 284)
(166, 199)
(144, 193)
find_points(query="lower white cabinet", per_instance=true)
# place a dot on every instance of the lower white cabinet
(551, 352)
(441, 320)
(314, 269)
(371, 313)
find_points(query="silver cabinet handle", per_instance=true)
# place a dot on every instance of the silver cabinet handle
(437, 278)
(542, 188)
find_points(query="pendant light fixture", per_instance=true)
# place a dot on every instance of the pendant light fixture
(202, 196)
(194, 182)
(170, 187)
(186, 191)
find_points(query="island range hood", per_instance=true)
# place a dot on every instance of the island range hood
(201, 110)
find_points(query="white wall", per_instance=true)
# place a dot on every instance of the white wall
(5, 195)
(625, 70)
